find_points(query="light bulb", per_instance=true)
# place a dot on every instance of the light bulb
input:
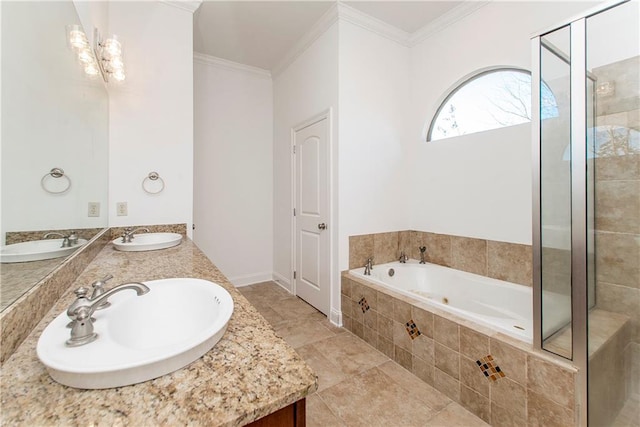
(92, 69)
(85, 56)
(112, 47)
(119, 75)
(117, 63)
(77, 38)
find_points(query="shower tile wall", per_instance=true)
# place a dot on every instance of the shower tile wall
(500, 260)
(617, 203)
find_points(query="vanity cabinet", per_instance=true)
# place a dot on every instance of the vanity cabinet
(293, 415)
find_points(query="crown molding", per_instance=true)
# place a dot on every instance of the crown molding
(345, 13)
(354, 16)
(230, 65)
(323, 24)
(454, 15)
(188, 5)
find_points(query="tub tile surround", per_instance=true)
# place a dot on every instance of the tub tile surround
(530, 388)
(250, 372)
(499, 260)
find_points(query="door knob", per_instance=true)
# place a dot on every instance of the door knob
(322, 226)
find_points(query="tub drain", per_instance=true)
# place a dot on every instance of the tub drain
(391, 272)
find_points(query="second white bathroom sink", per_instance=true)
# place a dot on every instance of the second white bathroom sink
(148, 242)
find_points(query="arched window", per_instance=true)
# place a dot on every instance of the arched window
(489, 100)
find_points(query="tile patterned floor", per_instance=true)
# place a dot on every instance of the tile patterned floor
(357, 385)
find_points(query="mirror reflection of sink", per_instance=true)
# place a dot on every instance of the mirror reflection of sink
(37, 250)
(148, 242)
(140, 337)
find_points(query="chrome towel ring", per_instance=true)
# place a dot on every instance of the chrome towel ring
(149, 183)
(56, 173)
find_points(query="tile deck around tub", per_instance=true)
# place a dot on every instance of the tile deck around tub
(357, 384)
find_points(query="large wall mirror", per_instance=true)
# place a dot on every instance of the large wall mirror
(54, 122)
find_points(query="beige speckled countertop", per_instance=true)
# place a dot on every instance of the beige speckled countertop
(250, 373)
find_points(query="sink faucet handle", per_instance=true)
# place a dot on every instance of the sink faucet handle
(98, 289)
(82, 328)
(81, 299)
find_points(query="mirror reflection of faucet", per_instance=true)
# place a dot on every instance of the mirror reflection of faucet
(68, 241)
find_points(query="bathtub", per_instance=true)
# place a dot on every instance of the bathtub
(503, 306)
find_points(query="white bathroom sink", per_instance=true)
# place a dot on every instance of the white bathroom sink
(37, 250)
(140, 337)
(148, 242)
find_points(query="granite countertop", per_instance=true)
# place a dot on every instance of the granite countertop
(250, 372)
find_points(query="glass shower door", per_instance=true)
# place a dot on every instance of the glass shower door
(613, 140)
(555, 188)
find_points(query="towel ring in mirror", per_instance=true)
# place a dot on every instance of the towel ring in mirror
(56, 173)
(148, 182)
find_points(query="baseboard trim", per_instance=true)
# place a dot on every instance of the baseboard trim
(335, 317)
(282, 281)
(250, 279)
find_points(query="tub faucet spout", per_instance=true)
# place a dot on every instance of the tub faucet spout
(423, 249)
(368, 267)
(403, 257)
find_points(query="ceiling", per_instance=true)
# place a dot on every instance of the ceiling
(260, 33)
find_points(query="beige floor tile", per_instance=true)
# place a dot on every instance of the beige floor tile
(294, 308)
(350, 353)
(328, 372)
(455, 415)
(414, 385)
(301, 332)
(372, 398)
(358, 385)
(319, 414)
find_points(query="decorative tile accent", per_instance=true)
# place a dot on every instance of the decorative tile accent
(363, 304)
(412, 329)
(489, 368)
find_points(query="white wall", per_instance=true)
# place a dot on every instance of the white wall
(304, 89)
(151, 114)
(476, 185)
(233, 169)
(375, 186)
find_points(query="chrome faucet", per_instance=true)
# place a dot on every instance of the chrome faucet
(127, 234)
(82, 308)
(368, 267)
(423, 250)
(66, 243)
(403, 258)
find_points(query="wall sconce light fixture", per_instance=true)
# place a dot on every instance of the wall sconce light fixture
(109, 53)
(105, 58)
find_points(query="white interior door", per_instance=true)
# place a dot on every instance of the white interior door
(311, 151)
